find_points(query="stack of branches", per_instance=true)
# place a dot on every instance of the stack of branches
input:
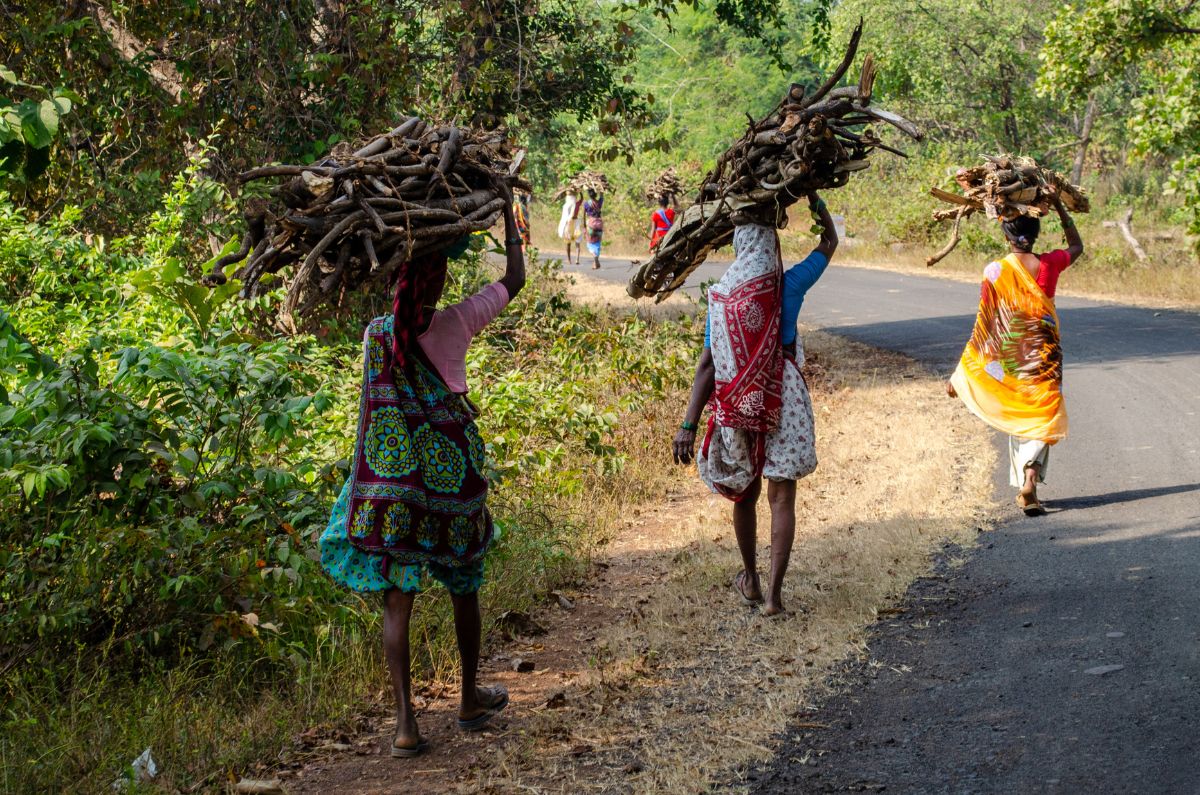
(581, 182)
(356, 215)
(806, 143)
(1004, 187)
(667, 184)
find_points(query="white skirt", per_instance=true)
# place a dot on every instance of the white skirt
(1022, 453)
(791, 448)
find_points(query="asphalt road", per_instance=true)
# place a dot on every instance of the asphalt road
(1064, 657)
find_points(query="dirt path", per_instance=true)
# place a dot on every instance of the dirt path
(652, 676)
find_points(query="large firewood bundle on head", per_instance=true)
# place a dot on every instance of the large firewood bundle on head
(356, 215)
(1004, 187)
(582, 182)
(667, 184)
(807, 143)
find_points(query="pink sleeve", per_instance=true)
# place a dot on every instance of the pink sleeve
(477, 311)
(1059, 260)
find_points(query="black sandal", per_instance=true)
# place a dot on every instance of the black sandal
(481, 720)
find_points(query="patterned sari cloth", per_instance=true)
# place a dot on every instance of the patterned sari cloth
(593, 211)
(1010, 373)
(760, 416)
(416, 498)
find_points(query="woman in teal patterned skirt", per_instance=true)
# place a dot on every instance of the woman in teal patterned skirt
(428, 466)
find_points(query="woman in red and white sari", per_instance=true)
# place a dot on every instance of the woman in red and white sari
(760, 421)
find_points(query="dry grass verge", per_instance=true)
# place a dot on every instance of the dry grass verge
(657, 678)
(690, 688)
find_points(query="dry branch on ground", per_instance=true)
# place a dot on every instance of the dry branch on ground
(354, 216)
(806, 143)
(1004, 187)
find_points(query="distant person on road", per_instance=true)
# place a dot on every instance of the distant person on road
(415, 505)
(570, 227)
(521, 214)
(593, 210)
(661, 221)
(1010, 374)
(760, 422)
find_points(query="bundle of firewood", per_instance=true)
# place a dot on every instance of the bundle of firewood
(667, 184)
(581, 182)
(357, 214)
(1004, 187)
(807, 143)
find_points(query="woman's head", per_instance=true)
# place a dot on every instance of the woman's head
(1022, 232)
(419, 286)
(663, 199)
(591, 193)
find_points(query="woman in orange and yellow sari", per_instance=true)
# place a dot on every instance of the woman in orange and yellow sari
(1010, 373)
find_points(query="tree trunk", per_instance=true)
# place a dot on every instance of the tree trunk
(130, 47)
(1085, 139)
(1008, 105)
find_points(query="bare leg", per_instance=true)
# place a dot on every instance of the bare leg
(745, 528)
(397, 610)
(568, 252)
(1028, 493)
(781, 495)
(468, 627)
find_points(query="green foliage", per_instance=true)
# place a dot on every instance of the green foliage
(286, 81)
(28, 127)
(166, 466)
(962, 68)
(1091, 42)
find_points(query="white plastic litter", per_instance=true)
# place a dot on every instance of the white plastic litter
(142, 770)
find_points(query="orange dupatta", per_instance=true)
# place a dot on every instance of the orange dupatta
(1010, 373)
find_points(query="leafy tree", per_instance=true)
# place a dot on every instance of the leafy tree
(29, 127)
(964, 68)
(1091, 44)
(290, 79)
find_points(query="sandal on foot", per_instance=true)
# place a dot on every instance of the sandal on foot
(494, 709)
(1031, 507)
(403, 752)
(738, 582)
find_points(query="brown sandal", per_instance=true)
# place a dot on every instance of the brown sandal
(738, 582)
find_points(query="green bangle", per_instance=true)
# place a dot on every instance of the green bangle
(688, 426)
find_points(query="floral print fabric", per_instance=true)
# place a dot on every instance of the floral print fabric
(361, 571)
(782, 446)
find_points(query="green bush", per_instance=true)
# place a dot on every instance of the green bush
(167, 463)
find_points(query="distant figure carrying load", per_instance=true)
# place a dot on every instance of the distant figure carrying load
(570, 227)
(661, 221)
(1010, 374)
(593, 210)
(521, 214)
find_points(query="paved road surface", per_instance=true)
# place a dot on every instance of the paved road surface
(1001, 690)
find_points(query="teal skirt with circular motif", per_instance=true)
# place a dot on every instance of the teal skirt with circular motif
(364, 571)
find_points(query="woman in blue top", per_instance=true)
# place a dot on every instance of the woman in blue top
(760, 420)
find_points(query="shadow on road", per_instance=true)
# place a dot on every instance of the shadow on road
(1116, 497)
(1091, 334)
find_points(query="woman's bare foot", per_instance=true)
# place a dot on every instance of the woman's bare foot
(773, 607)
